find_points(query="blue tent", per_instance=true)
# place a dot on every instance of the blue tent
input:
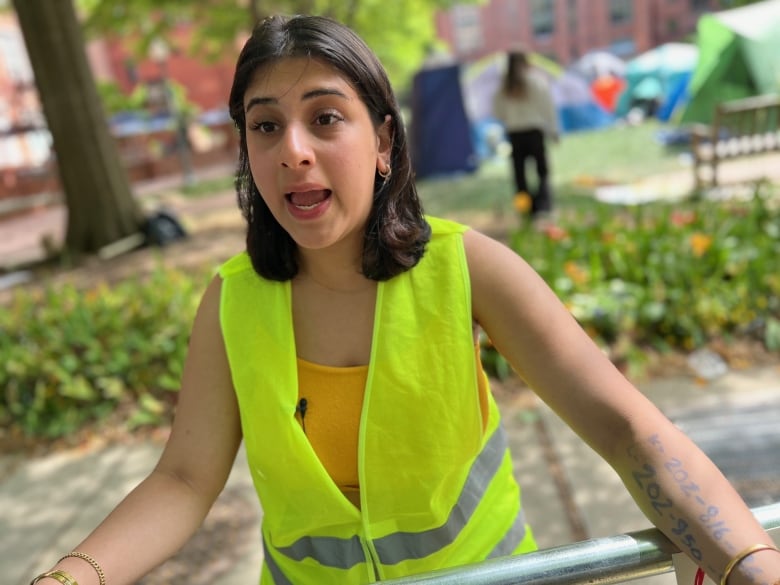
(441, 141)
(677, 98)
(577, 108)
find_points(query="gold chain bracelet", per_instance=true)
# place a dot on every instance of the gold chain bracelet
(90, 560)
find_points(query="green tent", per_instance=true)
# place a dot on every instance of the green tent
(739, 56)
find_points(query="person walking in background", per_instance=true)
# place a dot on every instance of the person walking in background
(525, 106)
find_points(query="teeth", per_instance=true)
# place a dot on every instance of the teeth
(307, 207)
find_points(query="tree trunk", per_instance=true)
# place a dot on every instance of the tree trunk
(101, 206)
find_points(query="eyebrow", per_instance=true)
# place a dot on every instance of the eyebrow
(314, 93)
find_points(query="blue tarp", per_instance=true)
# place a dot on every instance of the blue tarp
(586, 116)
(441, 141)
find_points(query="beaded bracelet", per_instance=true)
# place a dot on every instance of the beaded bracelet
(57, 575)
(90, 560)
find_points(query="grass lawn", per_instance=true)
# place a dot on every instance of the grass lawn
(578, 162)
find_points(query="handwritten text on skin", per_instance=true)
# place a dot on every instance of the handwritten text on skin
(647, 479)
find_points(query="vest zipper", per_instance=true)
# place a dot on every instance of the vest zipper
(371, 561)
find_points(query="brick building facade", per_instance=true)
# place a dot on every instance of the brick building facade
(564, 30)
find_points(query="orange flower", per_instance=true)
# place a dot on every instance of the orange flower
(575, 272)
(522, 202)
(700, 243)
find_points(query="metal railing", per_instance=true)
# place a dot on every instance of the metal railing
(613, 559)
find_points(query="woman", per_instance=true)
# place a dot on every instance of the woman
(342, 348)
(524, 105)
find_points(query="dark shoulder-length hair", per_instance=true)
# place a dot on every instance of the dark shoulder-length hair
(515, 81)
(396, 232)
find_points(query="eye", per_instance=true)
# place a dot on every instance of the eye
(263, 126)
(328, 119)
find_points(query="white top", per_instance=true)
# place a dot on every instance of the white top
(533, 111)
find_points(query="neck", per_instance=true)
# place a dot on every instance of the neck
(332, 271)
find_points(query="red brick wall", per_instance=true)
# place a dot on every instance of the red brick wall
(654, 22)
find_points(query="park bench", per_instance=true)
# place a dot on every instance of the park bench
(740, 128)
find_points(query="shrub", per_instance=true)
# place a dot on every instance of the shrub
(76, 355)
(668, 276)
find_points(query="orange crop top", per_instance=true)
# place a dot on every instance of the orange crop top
(333, 399)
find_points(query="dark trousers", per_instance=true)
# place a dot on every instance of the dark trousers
(530, 144)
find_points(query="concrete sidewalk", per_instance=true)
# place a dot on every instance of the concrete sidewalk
(48, 504)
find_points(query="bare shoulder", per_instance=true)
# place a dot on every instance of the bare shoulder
(498, 273)
(210, 301)
(207, 348)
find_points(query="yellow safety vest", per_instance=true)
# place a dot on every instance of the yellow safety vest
(436, 490)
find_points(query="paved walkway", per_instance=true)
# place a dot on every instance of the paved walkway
(570, 494)
(737, 179)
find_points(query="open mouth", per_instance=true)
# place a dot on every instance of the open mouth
(307, 200)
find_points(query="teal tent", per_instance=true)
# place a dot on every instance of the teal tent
(655, 73)
(739, 56)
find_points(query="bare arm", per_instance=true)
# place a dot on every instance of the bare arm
(674, 483)
(161, 514)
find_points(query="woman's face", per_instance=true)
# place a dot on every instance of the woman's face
(313, 151)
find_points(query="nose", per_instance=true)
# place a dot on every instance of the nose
(295, 147)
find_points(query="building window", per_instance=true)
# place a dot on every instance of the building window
(467, 28)
(543, 17)
(621, 11)
(700, 5)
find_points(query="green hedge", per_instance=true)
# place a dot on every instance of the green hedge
(74, 355)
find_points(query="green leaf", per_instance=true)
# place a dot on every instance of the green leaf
(79, 388)
(772, 335)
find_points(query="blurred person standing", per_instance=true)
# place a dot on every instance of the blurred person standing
(524, 105)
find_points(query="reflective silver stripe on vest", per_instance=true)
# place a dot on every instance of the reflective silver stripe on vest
(512, 538)
(276, 573)
(344, 553)
(401, 546)
(331, 551)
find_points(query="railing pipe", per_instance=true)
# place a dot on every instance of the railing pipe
(612, 559)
